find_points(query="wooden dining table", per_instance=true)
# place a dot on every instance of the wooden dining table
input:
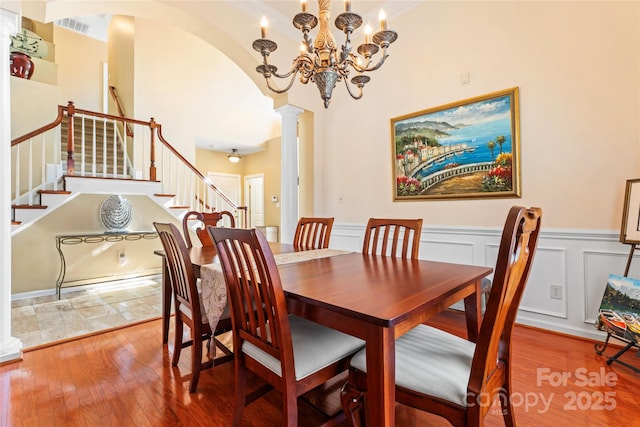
(378, 299)
(372, 297)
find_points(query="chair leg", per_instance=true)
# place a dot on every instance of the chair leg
(241, 390)
(289, 407)
(352, 401)
(196, 363)
(177, 346)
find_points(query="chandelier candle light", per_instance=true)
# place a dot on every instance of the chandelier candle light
(319, 60)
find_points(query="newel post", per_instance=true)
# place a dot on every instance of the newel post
(71, 167)
(152, 150)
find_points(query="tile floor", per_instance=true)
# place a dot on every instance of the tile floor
(43, 320)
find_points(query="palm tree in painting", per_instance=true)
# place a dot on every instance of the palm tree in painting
(491, 146)
(500, 140)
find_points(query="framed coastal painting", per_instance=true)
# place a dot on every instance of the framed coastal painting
(630, 230)
(466, 149)
(619, 312)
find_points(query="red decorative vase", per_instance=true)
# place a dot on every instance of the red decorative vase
(21, 65)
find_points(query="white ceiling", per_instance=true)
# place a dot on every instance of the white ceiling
(280, 13)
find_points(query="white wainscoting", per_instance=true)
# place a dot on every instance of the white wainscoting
(579, 261)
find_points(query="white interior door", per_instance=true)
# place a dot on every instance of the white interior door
(254, 199)
(229, 184)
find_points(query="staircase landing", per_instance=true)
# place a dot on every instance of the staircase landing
(50, 200)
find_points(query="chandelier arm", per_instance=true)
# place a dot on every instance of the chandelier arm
(346, 83)
(301, 62)
(293, 77)
(373, 68)
(273, 72)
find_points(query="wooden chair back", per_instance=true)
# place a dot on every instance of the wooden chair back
(393, 237)
(312, 233)
(265, 338)
(253, 280)
(186, 303)
(181, 274)
(487, 363)
(491, 364)
(206, 219)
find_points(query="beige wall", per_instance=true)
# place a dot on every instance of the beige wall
(80, 60)
(576, 64)
(35, 260)
(121, 59)
(197, 93)
(121, 65)
(215, 161)
(265, 162)
(33, 104)
(268, 163)
(577, 67)
(76, 76)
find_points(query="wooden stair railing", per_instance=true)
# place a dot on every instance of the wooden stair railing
(116, 100)
(200, 199)
(36, 153)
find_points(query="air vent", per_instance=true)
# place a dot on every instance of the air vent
(73, 25)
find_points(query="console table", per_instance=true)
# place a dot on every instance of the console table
(76, 239)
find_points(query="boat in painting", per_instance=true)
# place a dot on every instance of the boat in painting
(633, 326)
(612, 321)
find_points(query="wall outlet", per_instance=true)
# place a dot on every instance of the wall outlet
(122, 258)
(556, 291)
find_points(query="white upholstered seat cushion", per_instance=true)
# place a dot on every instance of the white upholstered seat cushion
(432, 362)
(314, 347)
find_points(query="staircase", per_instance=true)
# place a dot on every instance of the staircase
(99, 148)
(50, 168)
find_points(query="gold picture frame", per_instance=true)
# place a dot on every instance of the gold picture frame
(630, 228)
(465, 149)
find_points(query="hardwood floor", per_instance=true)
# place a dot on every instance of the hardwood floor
(124, 378)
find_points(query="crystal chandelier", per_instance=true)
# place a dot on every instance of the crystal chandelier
(319, 60)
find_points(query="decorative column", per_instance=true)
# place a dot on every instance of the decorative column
(10, 347)
(289, 172)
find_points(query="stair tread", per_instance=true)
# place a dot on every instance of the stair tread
(16, 222)
(179, 207)
(54, 192)
(28, 207)
(108, 177)
(164, 195)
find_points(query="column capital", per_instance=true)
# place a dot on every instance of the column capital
(289, 111)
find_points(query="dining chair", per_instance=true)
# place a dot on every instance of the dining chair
(206, 219)
(187, 305)
(444, 374)
(404, 235)
(312, 233)
(290, 353)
